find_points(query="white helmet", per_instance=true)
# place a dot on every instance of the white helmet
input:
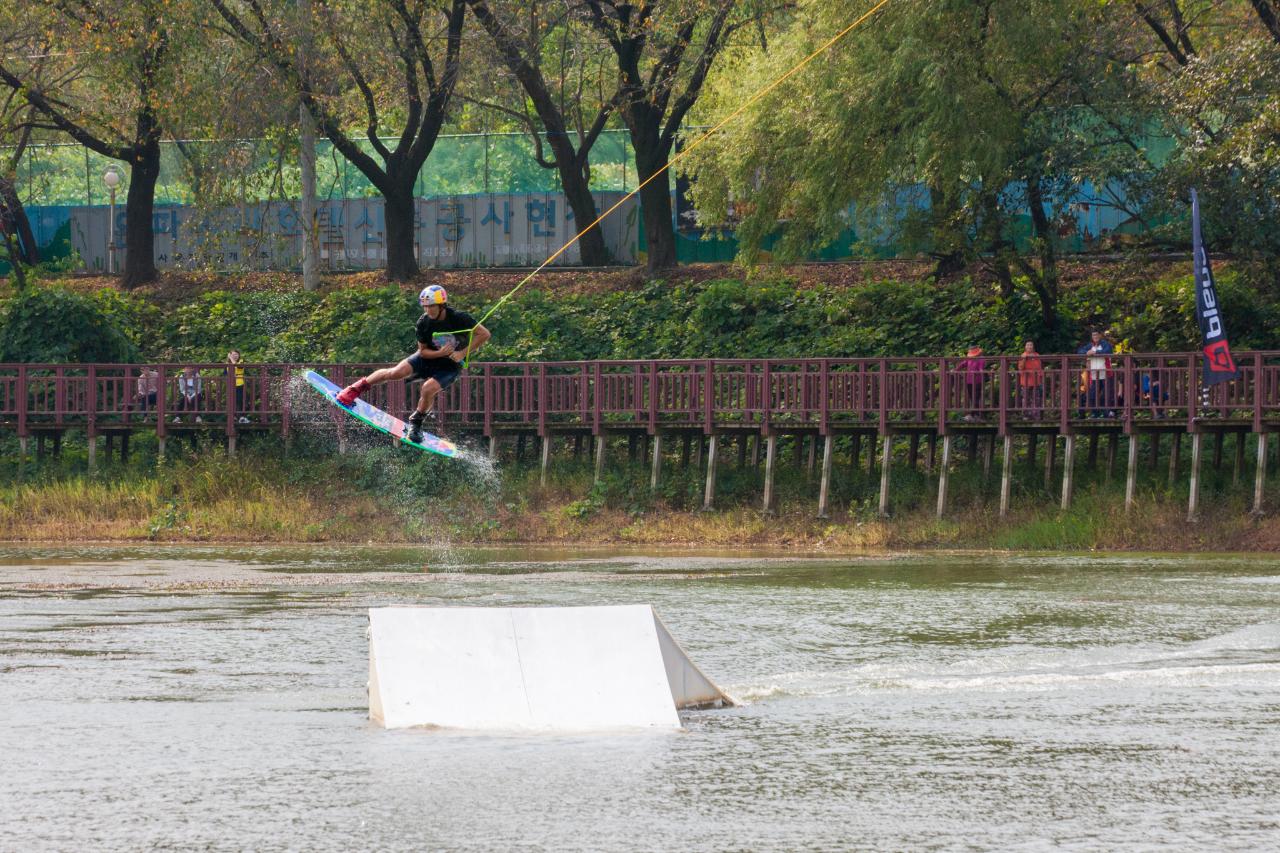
(432, 294)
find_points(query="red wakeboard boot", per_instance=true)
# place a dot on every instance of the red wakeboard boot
(348, 396)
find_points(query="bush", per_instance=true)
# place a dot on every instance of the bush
(724, 318)
(53, 324)
(359, 325)
(263, 326)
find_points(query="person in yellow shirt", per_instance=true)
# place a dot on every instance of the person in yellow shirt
(233, 358)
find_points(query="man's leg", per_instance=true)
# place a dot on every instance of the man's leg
(348, 396)
(386, 374)
(426, 397)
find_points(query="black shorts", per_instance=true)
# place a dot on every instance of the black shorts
(443, 370)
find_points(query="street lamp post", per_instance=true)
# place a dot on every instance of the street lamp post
(111, 177)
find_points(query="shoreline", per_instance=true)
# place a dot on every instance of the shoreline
(381, 499)
(689, 549)
(738, 532)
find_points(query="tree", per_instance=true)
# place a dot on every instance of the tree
(237, 151)
(105, 74)
(17, 242)
(523, 32)
(664, 50)
(387, 57)
(1213, 72)
(965, 114)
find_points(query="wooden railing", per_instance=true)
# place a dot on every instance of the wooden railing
(1132, 392)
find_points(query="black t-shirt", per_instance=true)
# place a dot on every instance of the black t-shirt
(454, 323)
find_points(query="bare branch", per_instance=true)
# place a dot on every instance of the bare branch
(1171, 45)
(353, 68)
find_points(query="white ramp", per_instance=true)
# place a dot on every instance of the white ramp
(530, 668)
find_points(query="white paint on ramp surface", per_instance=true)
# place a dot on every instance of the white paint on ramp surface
(530, 668)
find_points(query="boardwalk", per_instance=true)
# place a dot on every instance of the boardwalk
(930, 400)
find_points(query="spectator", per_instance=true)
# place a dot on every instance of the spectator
(1031, 381)
(190, 393)
(233, 358)
(1152, 393)
(975, 376)
(148, 388)
(1097, 370)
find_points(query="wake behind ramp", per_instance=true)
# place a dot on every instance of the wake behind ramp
(530, 668)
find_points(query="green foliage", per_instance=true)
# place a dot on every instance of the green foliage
(361, 325)
(951, 111)
(1157, 315)
(722, 318)
(588, 506)
(1218, 94)
(263, 326)
(354, 325)
(53, 324)
(137, 318)
(1056, 531)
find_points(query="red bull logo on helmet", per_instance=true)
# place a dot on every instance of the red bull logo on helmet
(432, 294)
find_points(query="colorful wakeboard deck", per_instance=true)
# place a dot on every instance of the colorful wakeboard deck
(379, 419)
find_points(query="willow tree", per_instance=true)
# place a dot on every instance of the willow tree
(388, 67)
(973, 118)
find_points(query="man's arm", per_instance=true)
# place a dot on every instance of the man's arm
(445, 351)
(478, 336)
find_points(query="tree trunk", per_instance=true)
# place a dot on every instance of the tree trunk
(948, 264)
(578, 193)
(307, 161)
(999, 267)
(402, 265)
(1268, 17)
(947, 248)
(139, 238)
(310, 231)
(991, 231)
(1046, 283)
(655, 198)
(13, 219)
(14, 256)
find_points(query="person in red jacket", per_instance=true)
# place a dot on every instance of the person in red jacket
(975, 376)
(1031, 381)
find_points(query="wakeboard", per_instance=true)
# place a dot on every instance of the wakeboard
(379, 419)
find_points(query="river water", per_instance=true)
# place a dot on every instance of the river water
(215, 699)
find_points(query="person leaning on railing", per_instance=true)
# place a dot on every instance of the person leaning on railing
(233, 360)
(1099, 394)
(975, 375)
(148, 389)
(1031, 381)
(190, 393)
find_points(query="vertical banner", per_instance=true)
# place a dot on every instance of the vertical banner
(1219, 366)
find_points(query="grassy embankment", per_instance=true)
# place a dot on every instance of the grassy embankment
(384, 495)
